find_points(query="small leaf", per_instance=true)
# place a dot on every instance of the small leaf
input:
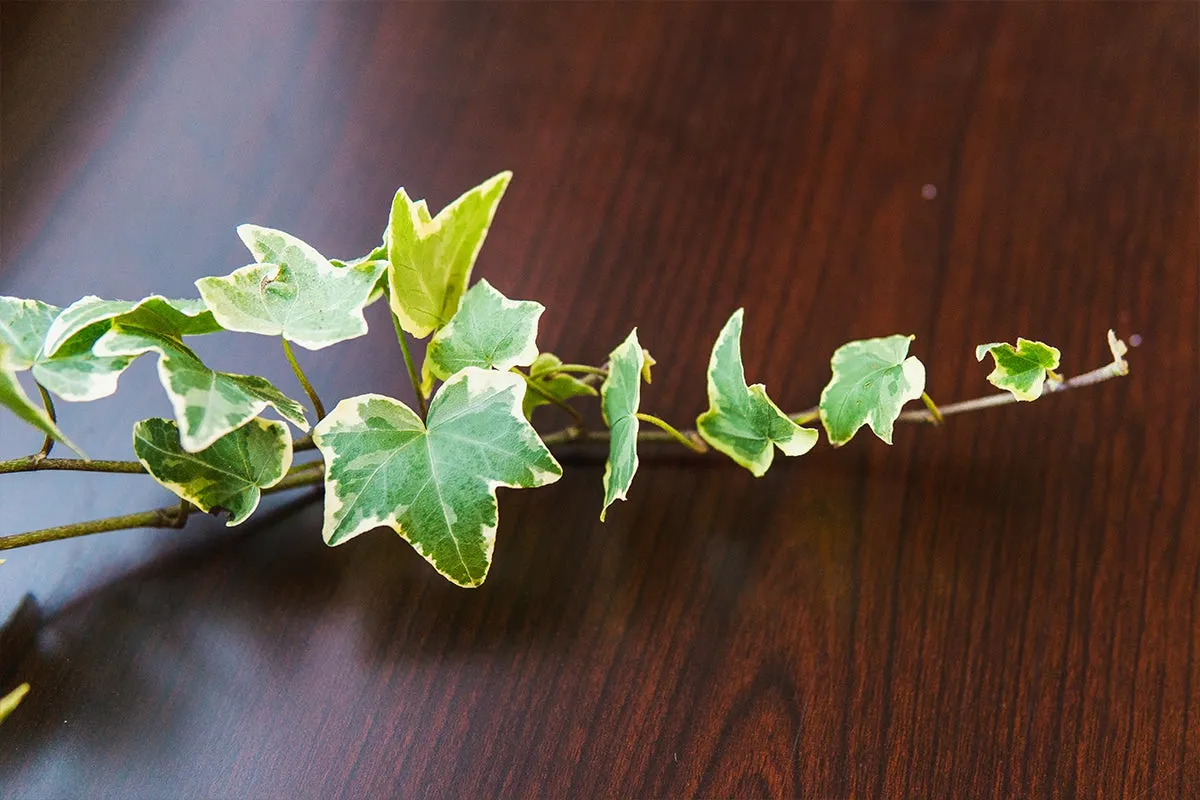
(1020, 370)
(872, 380)
(431, 258)
(489, 331)
(379, 254)
(14, 398)
(648, 361)
(292, 291)
(559, 385)
(620, 396)
(434, 485)
(742, 421)
(229, 474)
(208, 404)
(10, 701)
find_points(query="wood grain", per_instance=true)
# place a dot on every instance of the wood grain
(1006, 607)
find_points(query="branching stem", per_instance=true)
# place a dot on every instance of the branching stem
(175, 516)
(318, 406)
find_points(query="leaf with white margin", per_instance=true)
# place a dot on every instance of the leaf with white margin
(72, 373)
(489, 331)
(379, 254)
(13, 397)
(228, 475)
(434, 484)
(208, 404)
(430, 258)
(620, 396)
(1020, 371)
(91, 316)
(871, 381)
(561, 386)
(742, 421)
(293, 291)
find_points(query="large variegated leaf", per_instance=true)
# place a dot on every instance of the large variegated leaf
(742, 421)
(293, 291)
(430, 258)
(1020, 370)
(620, 396)
(561, 386)
(434, 484)
(228, 475)
(208, 404)
(872, 380)
(489, 331)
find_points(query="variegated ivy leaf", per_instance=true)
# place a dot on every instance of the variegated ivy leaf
(91, 316)
(228, 475)
(292, 291)
(1020, 370)
(208, 404)
(489, 331)
(13, 397)
(435, 483)
(620, 396)
(379, 254)
(742, 421)
(430, 258)
(10, 701)
(559, 385)
(872, 380)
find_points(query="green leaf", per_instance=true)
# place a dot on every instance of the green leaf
(208, 404)
(489, 331)
(379, 254)
(433, 484)
(72, 372)
(431, 258)
(871, 381)
(228, 475)
(1020, 370)
(91, 316)
(620, 396)
(13, 397)
(10, 701)
(742, 421)
(293, 291)
(559, 385)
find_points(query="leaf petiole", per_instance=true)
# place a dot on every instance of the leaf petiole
(48, 442)
(318, 407)
(402, 337)
(580, 368)
(693, 442)
(938, 419)
(567, 407)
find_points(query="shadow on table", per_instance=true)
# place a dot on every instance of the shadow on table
(199, 631)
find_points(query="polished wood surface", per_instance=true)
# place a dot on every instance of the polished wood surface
(1008, 606)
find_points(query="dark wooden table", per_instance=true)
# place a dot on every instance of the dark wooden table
(1008, 606)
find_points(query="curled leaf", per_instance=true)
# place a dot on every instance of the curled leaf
(229, 474)
(620, 396)
(742, 421)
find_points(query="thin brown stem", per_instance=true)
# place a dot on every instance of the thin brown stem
(48, 442)
(35, 464)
